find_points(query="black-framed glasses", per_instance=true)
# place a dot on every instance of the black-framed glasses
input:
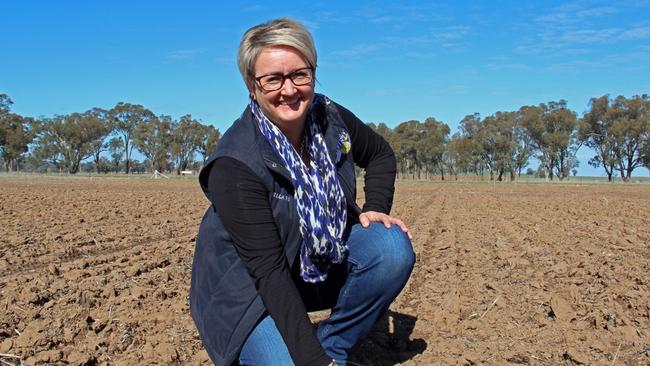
(273, 82)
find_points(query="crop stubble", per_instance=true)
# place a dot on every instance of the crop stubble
(96, 271)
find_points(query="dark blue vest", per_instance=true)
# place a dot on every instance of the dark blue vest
(224, 303)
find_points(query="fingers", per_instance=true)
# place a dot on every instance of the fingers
(406, 230)
(371, 216)
(363, 219)
(403, 226)
(387, 220)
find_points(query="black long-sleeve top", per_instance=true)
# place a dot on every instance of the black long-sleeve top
(241, 200)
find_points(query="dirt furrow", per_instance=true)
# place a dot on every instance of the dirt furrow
(96, 272)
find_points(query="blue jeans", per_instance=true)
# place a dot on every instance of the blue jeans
(359, 292)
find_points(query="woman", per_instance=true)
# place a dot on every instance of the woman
(284, 235)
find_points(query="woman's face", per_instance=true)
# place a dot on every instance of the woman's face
(286, 107)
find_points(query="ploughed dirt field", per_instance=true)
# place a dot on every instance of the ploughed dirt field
(95, 271)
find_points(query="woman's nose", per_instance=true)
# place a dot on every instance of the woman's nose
(288, 88)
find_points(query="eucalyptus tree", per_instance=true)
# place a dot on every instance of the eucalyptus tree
(471, 129)
(153, 138)
(406, 137)
(5, 108)
(116, 150)
(512, 143)
(125, 118)
(5, 104)
(12, 133)
(553, 129)
(459, 155)
(596, 132)
(431, 145)
(98, 146)
(631, 133)
(523, 146)
(187, 135)
(16, 133)
(66, 140)
(500, 144)
(208, 141)
(489, 137)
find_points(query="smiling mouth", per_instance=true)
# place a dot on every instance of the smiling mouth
(293, 104)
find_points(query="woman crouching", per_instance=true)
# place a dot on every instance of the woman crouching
(284, 235)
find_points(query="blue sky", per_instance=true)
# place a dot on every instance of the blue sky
(387, 62)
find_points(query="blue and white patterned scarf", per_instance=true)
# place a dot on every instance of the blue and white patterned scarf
(320, 201)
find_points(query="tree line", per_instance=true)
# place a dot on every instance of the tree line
(499, 146)
(105, 138)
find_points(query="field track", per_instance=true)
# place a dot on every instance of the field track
(96, 272)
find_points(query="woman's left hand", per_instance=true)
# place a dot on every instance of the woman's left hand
(372, 216)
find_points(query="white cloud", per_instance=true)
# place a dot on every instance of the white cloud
(636, 33)
(578, 28)
(628, 60)
(587, 35)
(597, 11)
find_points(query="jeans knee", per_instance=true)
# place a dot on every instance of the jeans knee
(403, 256)
(394, 252)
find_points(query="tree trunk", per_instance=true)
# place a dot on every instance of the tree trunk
(630, 168)
(609, 170)
(128, 150)
(74, 167)
(621, 169)
(97, 162)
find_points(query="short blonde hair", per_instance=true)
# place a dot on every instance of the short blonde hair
(276, 32)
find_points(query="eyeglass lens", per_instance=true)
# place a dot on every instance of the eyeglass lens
(275, 81)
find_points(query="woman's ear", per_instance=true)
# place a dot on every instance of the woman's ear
(251, 89)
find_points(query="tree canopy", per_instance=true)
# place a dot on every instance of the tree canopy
(618, 130)
(499, 146)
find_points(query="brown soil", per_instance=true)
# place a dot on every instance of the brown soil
(96, 272)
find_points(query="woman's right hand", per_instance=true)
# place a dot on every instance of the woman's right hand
(365, 218)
